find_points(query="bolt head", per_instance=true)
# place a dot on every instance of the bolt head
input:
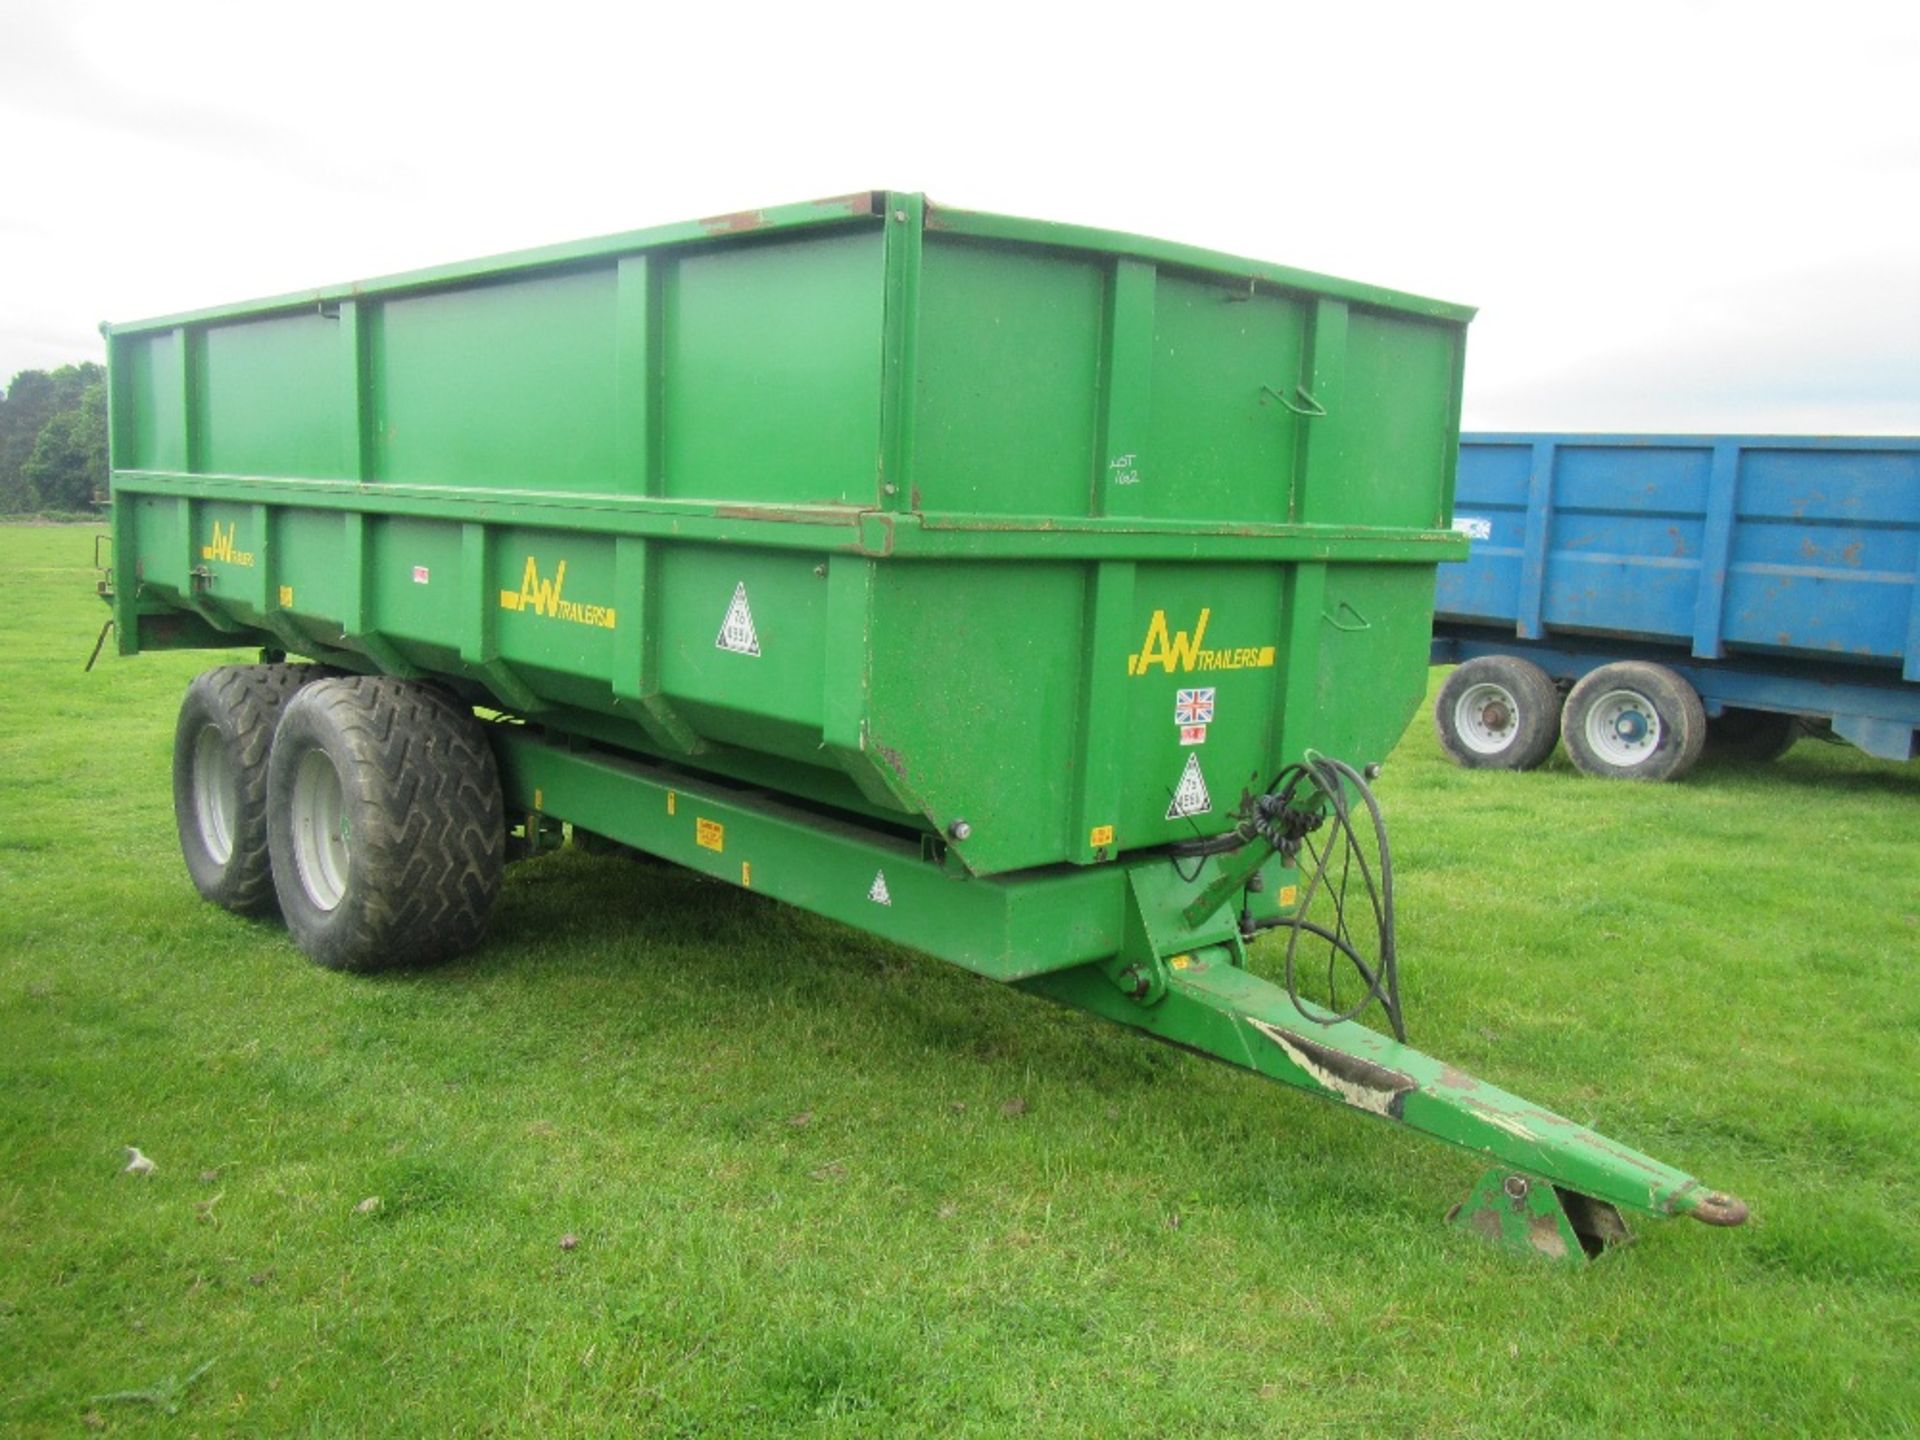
(960, 830)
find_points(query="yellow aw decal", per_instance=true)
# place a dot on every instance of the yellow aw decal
(543, 597)
(1179, 651)
(222, 548)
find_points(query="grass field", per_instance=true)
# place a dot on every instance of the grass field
(821, 1185)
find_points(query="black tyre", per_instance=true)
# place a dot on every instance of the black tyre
(1498, 712)
(220, 748)
(384, 822)
(1634, 721)
(1751, 736)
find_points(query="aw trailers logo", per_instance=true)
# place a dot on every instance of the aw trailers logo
(1180, 651)
(543, 598)
(222, 548)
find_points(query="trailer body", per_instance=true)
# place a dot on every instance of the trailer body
(1773, 574)
(974, 581)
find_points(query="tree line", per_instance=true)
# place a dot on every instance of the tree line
(53, 439)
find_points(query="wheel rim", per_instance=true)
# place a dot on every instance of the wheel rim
(1486, 718)
(216, 793)
(1623, 728)
(320, 841)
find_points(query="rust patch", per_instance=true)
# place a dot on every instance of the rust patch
(1720, 1209)
(1851, 553)
(1455, 1079)
(1543, 1233)
(896, 762)
(740, 222)
(786, 515)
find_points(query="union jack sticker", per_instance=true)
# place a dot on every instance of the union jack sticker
(1193, 707)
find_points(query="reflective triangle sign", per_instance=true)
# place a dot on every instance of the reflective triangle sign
(1190, 797)
(878, 892)
(736, 631)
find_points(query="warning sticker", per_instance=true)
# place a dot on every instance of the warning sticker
(709, 834)
(736, 631)
(1193, 734)
(878, 892)
(1190, 797)
(1193, 707)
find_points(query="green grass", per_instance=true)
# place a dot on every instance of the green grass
(801, 1202)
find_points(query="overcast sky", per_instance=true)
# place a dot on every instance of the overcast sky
(1680, 216)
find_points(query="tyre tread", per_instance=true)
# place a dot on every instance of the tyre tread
(429, 868)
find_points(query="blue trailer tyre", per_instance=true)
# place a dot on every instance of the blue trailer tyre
(220, 748)
(1498, 712)
(1634, 721)
(384, 822)
(1751, 737)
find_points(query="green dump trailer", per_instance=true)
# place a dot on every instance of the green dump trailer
(1035, 597)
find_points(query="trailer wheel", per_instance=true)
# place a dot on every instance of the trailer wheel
(385, 823)
(220, 748)
(1498, 712)
(1751, 736)
(1634, 721)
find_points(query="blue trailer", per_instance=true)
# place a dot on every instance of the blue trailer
(1643, 596)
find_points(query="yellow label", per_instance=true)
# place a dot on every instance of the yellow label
(1181, 962)
(544, 597)
(710, 834)
(1181, 650)
(746, 874)
(286, 597)
(1102, 835)
(1289, 895)
(222, 548)
(539, 800)
(671, 806)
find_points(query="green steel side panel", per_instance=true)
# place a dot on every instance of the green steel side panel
(312, 545)
(267, 398)
(155, 380)
(506, 386)
(1374, 622)
(771, 371)
(975, 701)
(1221, 446)
(772, 701)
(1007, 382)
(1388, 438)
(553, 607)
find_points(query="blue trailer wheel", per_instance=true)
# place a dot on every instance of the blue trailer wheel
(1751, 736)
(1634, 721)
(1498, 712)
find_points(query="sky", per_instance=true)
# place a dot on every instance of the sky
(1689, 216)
